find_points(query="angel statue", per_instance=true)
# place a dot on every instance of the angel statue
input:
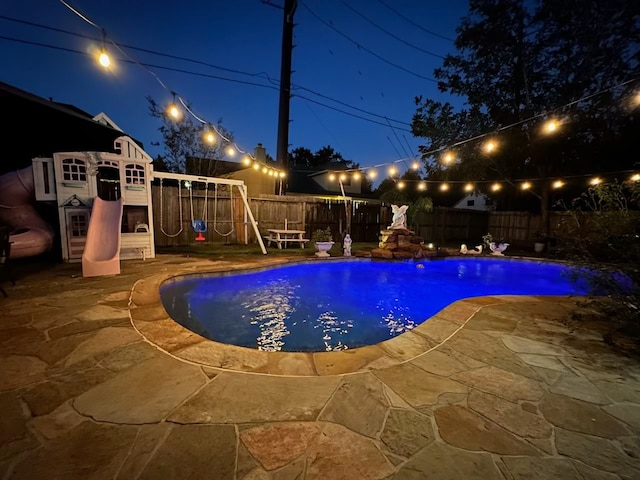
(399, 219)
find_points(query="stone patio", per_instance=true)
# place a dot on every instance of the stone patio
(96, 382)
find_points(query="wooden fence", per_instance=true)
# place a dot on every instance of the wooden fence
(224, 215)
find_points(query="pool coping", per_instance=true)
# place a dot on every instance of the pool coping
(150, 319)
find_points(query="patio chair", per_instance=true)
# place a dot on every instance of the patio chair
(5, 248)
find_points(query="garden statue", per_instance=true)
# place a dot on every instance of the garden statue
(399, 219)
(498, 248)
(347, 245)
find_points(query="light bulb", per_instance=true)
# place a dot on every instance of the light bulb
(635, 177)
(525, 186)
(174, 111)
(332, 176)
(392, 171)
(422, 186)
(210, 138)
(496, 187)
(231, 152)
(103, 59)
(468, 187)
(256, 166)
(595, 181)
(490, 146)
(551, 126)
(448, 158)
(415, 166)
(356, 175)
(558, 184)
(401, 185)
(372, 174)
(246, 160)
(444, 187)
(270, 173)
(282, 174)
(264, 169)
(343, 177)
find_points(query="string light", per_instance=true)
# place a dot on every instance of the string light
(356, 175)
(444, 187)
(468, 187)
(525, 185)
(558, 184)
(174, 112)
(209, 137)
(372, 174)
(595, 181)
(332, 177)
(230, 151)
(635, 177)
(490, 146)
(496, 187)
(246, 160)
(401, 185)
(103, 59)
(422, 186)
(551, 126)
(448, 158)
(392, 171)
(256, 166)
(343, 177)
(415, 165)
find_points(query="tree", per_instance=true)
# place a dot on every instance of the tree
(183, 138)
(517, 60)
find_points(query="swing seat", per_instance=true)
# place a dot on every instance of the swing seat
(199, 226)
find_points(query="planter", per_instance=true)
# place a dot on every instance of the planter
(538, 247)
(322, 248)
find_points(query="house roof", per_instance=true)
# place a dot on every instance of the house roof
(37, 127)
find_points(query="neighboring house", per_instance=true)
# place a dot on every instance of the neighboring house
(476, 201)
(318, 182)
(257, 182)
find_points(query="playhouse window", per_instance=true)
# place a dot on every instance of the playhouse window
(134, 174)
(74, 170)
(79, 225)
(107, 163)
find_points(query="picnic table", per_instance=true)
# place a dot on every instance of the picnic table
(282, 237)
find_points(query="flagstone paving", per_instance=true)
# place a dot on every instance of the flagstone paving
(97, 382)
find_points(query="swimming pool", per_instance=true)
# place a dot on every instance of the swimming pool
(336, 305)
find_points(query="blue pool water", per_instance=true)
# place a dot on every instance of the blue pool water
(335, 305)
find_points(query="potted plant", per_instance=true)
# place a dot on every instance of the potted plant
(323, 241)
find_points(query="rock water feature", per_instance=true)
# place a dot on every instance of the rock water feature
(401, 244)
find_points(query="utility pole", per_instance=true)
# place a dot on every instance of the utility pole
(285, 86)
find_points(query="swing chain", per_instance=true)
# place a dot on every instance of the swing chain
(171, 235)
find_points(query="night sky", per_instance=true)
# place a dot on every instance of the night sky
(245, 36)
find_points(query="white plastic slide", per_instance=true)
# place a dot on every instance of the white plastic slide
(30, 234)
(102, 251)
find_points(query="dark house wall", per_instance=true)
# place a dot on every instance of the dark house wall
(32, 126)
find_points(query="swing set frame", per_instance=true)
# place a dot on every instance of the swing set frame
(242, 189)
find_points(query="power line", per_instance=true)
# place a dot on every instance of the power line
(389, 33)
(147, 66)
(362, 47)
(198, 62)
(407, 19)
(348, 113)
